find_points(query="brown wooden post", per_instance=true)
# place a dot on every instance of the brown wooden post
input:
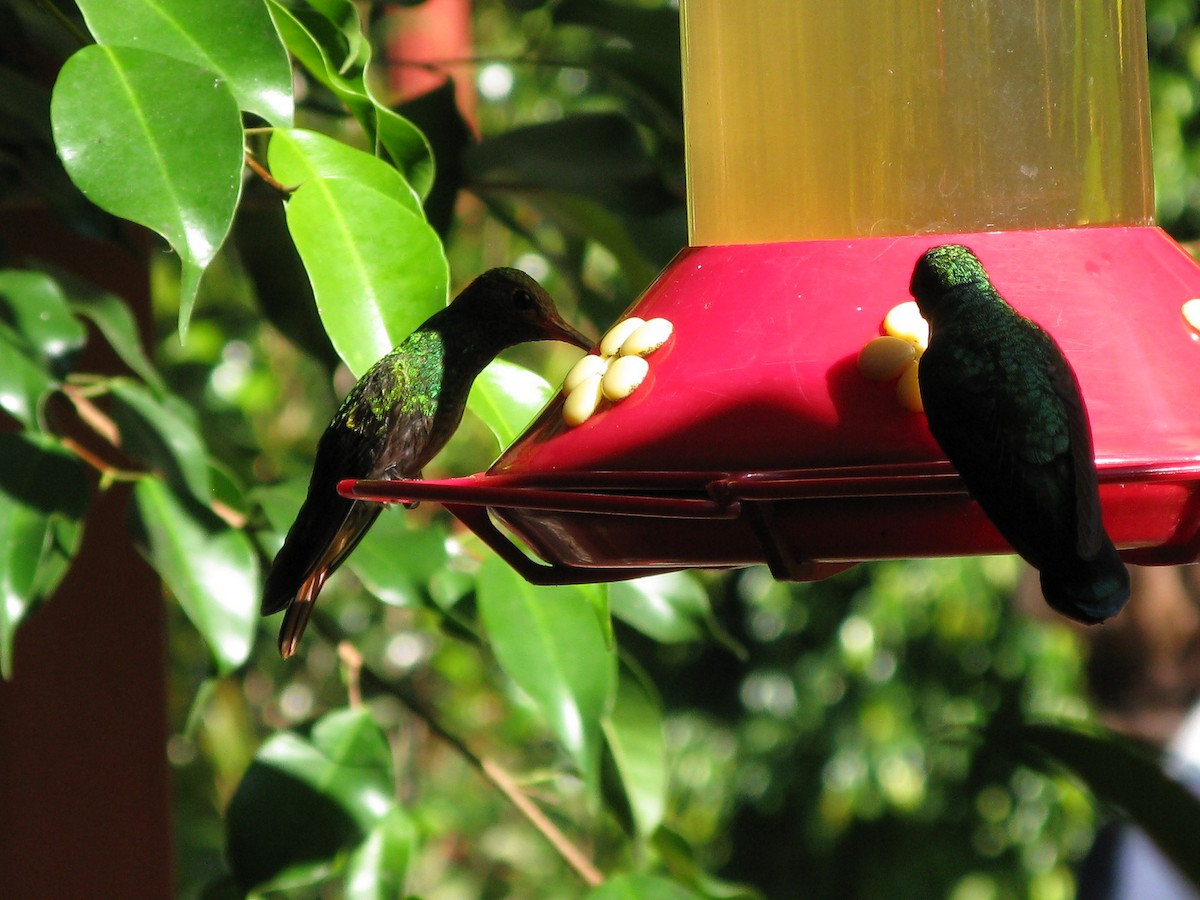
(84, 780)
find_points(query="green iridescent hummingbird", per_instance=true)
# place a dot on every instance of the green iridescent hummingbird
(394, 420)
(1005, 406)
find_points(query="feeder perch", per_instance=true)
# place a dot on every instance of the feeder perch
(827, 149)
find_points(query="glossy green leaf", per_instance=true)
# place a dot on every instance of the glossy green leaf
(377, 270)
(210, 568)
(43, 497)
(161, 433)
(114, 320)
(639, 886)
(547, 639)
(155, 140)
(1127, 776)
(507, 397)
(319, 43)
(634, 732)
(22, 381)
(280, 503)
(396, 559)
(33, 306)
(233, 39)
(308, 798)
(296, 156)
(377, 869)
(670, 608)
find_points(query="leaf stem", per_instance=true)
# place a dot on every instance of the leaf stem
(490, 769)
(260, 170)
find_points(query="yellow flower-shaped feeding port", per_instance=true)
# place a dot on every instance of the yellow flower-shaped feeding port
(617, 372)
(897, 354)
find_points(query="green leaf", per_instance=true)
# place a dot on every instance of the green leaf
(33, 305)
(113, 318)
(377, 270)
(507, 397)
(638, 886)
(319, 42)
(645, 54)
(678, 857)
(548, 640)
(377, 869)
(1127, 776)
(210, 568)
(43, 498)
(162, 434)
(634, 732)
(23, 382)
(395, 559)
(308, 798)
(154, 140)
(596, 156)
(671, 608)
(233, 39)
(296, 156)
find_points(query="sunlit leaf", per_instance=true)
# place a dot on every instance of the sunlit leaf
(671, 608)
(547, 639)
(377, 270)
(377, 869)
(115, 321)
(296, 156)
(43, 497)
(33, 306)
(308, 798)
(507, 397)
(210, 568)
(232, 39)
(161, 434)
(634, 731)
(22, 381)
(320, 44)
(155, 140)
(638, 886)
(395, 558)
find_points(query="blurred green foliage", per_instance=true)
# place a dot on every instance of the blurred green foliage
(756, 738)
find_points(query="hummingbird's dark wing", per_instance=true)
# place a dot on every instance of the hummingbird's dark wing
(1004, 428)
(1089, 522)
(321, 524)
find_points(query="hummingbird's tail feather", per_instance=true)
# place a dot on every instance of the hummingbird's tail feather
(1088, 591)
(295, 620)
(303, 565)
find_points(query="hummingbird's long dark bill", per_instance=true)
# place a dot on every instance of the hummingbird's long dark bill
(559, 330)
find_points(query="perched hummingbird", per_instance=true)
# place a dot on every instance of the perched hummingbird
(398, 416)
(1005, 406)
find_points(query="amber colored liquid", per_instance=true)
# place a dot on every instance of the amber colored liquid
(811, 119)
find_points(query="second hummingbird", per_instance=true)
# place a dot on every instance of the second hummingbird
(1005, 407)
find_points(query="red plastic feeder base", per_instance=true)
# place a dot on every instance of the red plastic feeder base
(754, 439)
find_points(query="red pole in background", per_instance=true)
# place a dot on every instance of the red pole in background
(429, 43)
(84, 780)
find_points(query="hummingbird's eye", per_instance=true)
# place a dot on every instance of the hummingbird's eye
(523, 300)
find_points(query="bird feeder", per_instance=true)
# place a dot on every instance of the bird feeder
(828, 146)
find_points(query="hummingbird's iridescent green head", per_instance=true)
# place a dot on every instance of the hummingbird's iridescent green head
(514, 308)
(938, 272)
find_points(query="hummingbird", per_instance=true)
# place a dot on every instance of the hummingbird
(1004, 404)
(394, 420)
